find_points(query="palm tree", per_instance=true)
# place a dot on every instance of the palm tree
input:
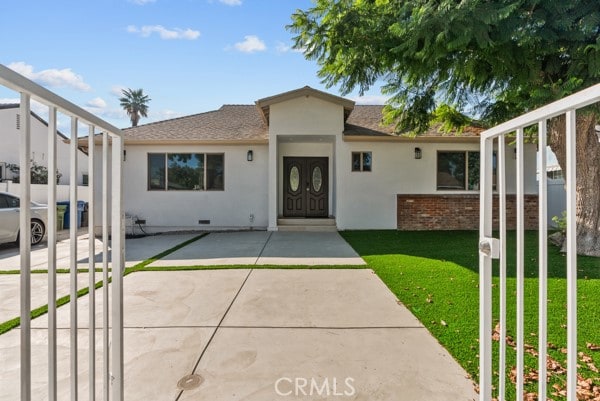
(135, 103)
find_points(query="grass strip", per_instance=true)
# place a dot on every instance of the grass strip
(42, 271)
(42, 310)
(226, 267)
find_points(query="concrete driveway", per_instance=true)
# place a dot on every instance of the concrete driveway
(254, 334)
(265, 248)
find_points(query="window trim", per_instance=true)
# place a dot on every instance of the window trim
(361, 153)
(466, 181)
(166, 166)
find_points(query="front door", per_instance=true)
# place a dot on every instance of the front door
(305, 187)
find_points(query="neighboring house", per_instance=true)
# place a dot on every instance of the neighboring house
(557, 196)
(305, 157)
(9, 151)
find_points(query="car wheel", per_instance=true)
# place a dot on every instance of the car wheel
(37, 232)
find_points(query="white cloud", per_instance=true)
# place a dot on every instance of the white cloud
(231, 2)
(164, 33)
(164, 115)
(251, 44)
(117, 90)
(141, 2)
(370, 99)
(9, 100)
(282, 47)
(97, 102)
(53, 78)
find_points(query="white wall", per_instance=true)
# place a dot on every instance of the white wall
(39, 192)
(306, 116)
(10, 139)
(245, 191)
(367, 200)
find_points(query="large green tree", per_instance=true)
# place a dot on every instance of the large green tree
(135, 103)
(494, 59)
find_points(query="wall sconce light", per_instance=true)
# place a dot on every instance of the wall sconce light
(418, 153)
(597, 128)
(250, 155)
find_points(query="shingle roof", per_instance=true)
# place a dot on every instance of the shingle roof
(245, 123)
(241, 123)
(368, 121)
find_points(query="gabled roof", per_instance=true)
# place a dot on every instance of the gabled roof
(265, 103)
(6, 106)
(229, 124)
(247, 124)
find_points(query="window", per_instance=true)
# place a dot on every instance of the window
(8, 202)
(361, 161)
(186, 171)
(460, 170)
(555, 174)
(85, 180)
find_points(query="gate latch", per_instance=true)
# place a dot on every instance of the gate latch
(490, 247)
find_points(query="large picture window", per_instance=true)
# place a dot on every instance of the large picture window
(459, 170)
(186, 171)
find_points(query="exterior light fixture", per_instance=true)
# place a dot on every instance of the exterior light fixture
(250, 155)
(418, 153)
(597, 128)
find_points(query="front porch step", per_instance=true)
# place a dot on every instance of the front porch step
(299, 224)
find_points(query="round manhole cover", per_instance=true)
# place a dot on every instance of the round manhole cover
(190, 382)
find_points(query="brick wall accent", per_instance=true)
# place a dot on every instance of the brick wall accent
(458, 212)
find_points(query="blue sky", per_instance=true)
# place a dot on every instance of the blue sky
(189, 56)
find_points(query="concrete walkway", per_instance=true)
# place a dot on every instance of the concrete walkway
(257, 335)
(136, 250)
(265, 248)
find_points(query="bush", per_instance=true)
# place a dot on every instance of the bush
(39, 173)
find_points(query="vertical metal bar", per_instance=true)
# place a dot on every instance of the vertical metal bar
(52, 353)
(25, 244)
(117, 256)
(92, 264)
(485, 274)
(543, 261)
(501, 159)
(520, 264)
(105, 300)
(73, 257)
(571, 258)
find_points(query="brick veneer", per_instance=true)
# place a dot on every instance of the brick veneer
(458, 212)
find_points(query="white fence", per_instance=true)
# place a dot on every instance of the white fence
(492, 248)
(39, 192)
(112, 339)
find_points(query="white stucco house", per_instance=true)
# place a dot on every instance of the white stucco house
(304, 159)
(9, 148)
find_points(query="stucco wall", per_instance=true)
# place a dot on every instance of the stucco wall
(245, 191)
(9, 151)
(306, 116)
(368, 200)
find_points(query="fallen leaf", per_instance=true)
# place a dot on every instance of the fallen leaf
(592, 347)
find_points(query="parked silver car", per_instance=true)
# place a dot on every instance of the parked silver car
(9, 219)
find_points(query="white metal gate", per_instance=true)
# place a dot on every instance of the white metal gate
(112, 380)
(492, 248)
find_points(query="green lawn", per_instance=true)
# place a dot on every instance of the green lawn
(435, 275)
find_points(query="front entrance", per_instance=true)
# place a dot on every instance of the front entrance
(305, 187)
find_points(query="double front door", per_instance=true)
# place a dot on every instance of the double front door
(305, 187)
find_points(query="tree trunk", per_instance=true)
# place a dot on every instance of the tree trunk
(588, 177)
